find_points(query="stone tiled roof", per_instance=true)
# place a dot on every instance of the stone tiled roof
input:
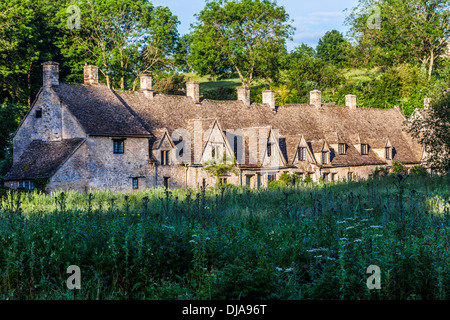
(99, 110)
(42, 159)
(102, 111)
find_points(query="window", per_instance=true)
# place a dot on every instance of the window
(341, 148)
(26, 185)
(135, 183)
(324, 157)
(223, 181)
(203, 183)
(269, 149)
(235, 146)
(39, 113)
(118, 146)
(350, 176)
(164, 157)
(333, 176)
(364, 149)
(301, 153)
(248, 181)
(258, 181)
(214, 152)
(325, 177)
(272, 177)
(166, 182)
(388, 153)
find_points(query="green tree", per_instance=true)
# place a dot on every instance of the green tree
(411, 31)
(304, 71)
(433, 131)
(332, 48)
(247, 36)
(122, 37)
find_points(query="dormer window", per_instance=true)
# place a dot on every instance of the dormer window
(364, 149)
(269, 149)
(301, 153)
(324, 157)
(215, 152)
(388, 153)
(38, 113)
(341, 148)
(164, 157)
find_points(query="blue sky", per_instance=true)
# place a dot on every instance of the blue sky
(311, 18)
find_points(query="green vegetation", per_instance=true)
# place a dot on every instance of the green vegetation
(312, 241)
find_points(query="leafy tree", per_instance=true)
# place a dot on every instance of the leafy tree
(332, 48)
(411, 31)
(305, 72)
(433, 131)
(183, 53)
(27, 36)
(10, 117)
(247, 36)
(122, 37)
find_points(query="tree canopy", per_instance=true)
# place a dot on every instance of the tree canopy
(246, 36)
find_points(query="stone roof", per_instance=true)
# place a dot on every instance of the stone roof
(103, 111)
(99, 110)
(331, 123)
(42, 159)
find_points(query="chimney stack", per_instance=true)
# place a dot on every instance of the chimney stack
(268, 96)
(193, 90)
(350, 101)
(243, 94)
(315, 98)
(146, 85)
(51, 74)
(90, 74)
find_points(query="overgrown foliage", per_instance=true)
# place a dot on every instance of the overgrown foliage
(303, 242)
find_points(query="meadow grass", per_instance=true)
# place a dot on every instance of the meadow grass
(310, 241)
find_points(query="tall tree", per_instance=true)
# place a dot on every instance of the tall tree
(433, 131)
(122, 37)
(332, 48)
(247, 36)
(412, 31)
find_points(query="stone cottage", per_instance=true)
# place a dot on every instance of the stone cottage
(87, 136)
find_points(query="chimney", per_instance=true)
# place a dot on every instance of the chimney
(51, 73)
(426, 103)
(193, 90)
(243, 94)
(268, 96)
(350, 101)
(315, 98)
(146, 85)
(90, 74)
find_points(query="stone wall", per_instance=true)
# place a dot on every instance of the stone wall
(108, 170)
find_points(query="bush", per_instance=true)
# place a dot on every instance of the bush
(418, 170)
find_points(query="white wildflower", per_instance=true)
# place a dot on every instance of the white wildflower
(376, 227)
(357, 240)
(278, 269)
(348, 228)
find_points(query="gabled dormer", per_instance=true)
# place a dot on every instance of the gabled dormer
(303, 153)
(325, 158)
(162, 147)
(272, 156)
(216, 147)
